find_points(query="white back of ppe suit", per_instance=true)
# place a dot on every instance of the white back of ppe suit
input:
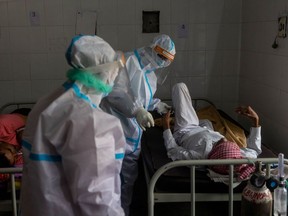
(76, 152)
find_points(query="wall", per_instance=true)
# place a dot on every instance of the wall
(264, 73)
(32, 56)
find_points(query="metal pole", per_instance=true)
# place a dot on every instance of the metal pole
(231, 171)
(192, 179)
(14, 201)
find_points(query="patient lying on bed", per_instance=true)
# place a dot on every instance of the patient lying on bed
(11, 128)
(190, 140)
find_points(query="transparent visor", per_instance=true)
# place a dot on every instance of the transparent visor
(161, 75)
(161, 62)
(151, 60)
(99, 78)
(107, 72)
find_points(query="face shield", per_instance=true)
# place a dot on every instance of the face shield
(165, 51)
(109, 71)
(158, 56)
(162, 74)
(99, 78)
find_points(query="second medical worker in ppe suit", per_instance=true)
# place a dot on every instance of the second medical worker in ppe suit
(73, 150)
(143, 71)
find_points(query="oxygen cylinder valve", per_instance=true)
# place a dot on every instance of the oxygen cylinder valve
(258, 178)
(272, 183)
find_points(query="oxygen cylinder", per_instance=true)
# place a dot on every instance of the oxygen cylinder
(256, 197)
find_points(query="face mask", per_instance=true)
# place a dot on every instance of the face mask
(156, 61)
(160, 62)
(163, 57)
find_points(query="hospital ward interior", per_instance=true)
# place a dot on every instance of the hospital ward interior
(143, 107)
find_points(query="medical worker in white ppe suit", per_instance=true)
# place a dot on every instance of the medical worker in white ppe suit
(73, 151)
(144, 67)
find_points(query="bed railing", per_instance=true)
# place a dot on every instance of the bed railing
(8, 107)
(154, 197)
(192, 197)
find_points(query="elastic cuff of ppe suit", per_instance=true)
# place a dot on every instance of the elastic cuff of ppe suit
(136, 107)
(136, 111)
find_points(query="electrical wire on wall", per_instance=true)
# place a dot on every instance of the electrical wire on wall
(86, 22)
(282, 24)
(275, 43)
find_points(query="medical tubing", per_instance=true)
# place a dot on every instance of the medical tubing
(281, 165)
(88, 79)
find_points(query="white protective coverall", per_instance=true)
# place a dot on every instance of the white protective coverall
(142, 65)
(73, 151)
(193, 139)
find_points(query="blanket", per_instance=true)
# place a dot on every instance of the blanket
(228, 129)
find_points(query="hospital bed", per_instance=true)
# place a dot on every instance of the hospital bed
(9, 107)
(182, 181)
(10, 190)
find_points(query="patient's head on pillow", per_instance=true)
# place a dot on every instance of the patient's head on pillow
(22, 111)
(7, 155)
(229, 150)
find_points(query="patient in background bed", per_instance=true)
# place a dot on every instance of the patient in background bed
(11, 128)
(192, 141)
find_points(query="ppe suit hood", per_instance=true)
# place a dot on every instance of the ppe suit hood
(89, 51)
(93, 55)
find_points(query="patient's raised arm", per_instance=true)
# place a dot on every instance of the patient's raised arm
(249, 113)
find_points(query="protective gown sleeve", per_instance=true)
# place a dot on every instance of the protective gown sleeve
(90, 164)
(176, 152)
(253, 143)
(122, 98)
(153, 104)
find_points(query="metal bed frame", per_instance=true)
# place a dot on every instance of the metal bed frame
(15, 105)
(192, 197)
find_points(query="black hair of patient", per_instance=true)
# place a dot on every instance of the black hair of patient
(4, 162)
(22, 111)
